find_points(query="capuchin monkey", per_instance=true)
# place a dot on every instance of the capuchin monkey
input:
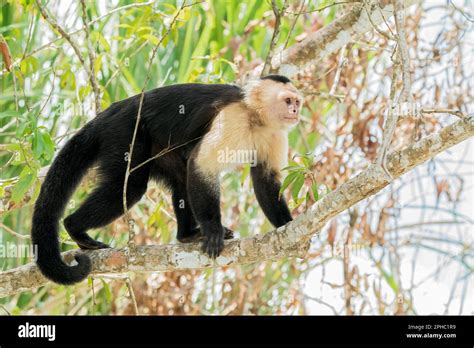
(190, 125)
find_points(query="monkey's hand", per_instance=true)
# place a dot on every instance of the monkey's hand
(213, 244)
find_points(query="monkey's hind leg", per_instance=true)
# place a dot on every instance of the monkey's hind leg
(102, 207)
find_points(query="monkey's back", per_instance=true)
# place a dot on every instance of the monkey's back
(183, 112)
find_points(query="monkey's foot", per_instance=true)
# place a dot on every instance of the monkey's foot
(194, 236)
(197, 236)
(87, 243)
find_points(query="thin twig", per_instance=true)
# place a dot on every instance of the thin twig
(294, 24)
(390, 123)
(5, 309)
(406, 95)
(276, 33)
(460, 10)
(52, 22)
(315, 299)
(368, 10)
(93, 292)
(454, 112)
(16, 234)
(323, 7)
(50, 93)
(403, 59)
(91, 50)
(162, 153)
(28, 39)
(8, 125)
(131, 230)
(132, 295)
(341, 63)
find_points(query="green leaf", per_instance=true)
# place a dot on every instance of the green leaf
(145, 28)
(48, 145)
(24, 129)
(306, 161)
(288, 180)
(299, 181)
(293, 168)
(390, 280)
(24, 183)
(103, 42)
(37, 145)
(107, 291)
(152, 38)
(312, 139)
(68, 79)
(10, 114)
(315, 187)
(245, 174)
(98, 63)
(29, 65)
(84, 91)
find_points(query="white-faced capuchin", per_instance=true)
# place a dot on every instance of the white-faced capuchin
(196, 121)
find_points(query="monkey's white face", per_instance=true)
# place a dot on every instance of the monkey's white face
(278, 104)
(287, 107)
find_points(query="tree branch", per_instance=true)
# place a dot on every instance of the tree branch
(333, 36)
(291, 240)
(276, 34)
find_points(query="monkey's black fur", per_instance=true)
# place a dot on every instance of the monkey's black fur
(171, 116)
(277, 78)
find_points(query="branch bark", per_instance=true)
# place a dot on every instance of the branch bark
(291, 240)
(332, 37)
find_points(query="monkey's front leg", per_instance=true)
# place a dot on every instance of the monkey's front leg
(204, 197)
(267, 189)
(188, 230)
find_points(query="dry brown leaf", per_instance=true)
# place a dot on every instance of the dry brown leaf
(7, 57)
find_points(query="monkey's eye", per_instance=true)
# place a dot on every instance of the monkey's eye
(288, 101)
(297, 102)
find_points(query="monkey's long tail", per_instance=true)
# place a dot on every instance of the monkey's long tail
(64, 175)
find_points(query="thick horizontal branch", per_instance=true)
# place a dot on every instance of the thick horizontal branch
(350, 26)
(287, 241)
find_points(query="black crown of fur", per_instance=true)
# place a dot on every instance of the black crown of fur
(277, 78)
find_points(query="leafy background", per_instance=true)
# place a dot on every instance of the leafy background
(411, 246)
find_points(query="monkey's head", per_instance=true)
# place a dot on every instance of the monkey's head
(276, 101)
